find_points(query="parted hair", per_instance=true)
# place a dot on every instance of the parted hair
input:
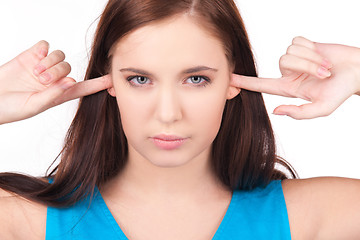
(243, 154)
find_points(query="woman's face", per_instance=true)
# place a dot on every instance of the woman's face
(171, 80)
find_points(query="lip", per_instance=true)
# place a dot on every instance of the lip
(168, 142)
(166, 137)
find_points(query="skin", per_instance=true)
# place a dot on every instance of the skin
(323, 74)
(318, 208)
(170, 102)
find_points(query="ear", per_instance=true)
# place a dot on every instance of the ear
(111, 91)
(232, 92)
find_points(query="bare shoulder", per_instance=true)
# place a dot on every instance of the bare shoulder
(323, 208)
(21, 218)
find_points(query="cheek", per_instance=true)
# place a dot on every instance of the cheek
(201, 111)
(205, 113)
(133, 113)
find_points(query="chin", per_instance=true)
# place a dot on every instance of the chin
(168, 163)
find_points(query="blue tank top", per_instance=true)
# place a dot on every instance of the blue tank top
(257, 214)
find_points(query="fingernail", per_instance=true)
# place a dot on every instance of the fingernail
(45, 77)
(326, 63)
(323, 72)
(39, 69)
(279, 113)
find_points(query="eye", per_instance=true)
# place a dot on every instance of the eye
(198, 80)
(137, 80)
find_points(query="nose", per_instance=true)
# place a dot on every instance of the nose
(168, 109)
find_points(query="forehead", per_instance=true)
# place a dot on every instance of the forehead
(177, 40)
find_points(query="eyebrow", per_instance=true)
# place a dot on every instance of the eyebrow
(186, 71)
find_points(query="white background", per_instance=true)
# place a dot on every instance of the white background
(321, 147)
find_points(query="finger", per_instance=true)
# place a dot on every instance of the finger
(87, 87)
(292, 63)
(41, 49)
(314, 46)
(304, 42)
(50, 96)
(306, 111)
(49, 61)
(55, 73)
(35, 53)
(309, 54)
(264, 85)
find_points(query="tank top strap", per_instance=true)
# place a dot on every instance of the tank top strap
(88, 219)
(257, 214)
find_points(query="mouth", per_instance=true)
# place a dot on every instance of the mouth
(165, 137)
(168, 142)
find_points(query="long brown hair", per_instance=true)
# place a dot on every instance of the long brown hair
(95, 149)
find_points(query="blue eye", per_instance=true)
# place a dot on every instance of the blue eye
(198, 80)
(138, 80)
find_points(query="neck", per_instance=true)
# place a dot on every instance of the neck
(143, 180)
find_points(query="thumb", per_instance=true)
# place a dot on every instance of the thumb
(305, 111)
(51, 96)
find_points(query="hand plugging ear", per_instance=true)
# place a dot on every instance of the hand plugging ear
(323, 74)
(35, 81)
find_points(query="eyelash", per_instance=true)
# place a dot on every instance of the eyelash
(203, 84)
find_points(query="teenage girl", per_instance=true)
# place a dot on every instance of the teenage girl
(171, 139)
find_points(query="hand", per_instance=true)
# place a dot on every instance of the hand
(35, 81)
(324, 74)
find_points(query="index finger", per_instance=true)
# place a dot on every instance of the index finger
(256, 84)
(88, 87)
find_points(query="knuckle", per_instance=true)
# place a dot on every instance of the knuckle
(61, 70)
(283, 60)
(54, 74)
(42, 47)
(43, 43)
(59, 55)
(66, 67)
(297, 39)
(291, 50)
